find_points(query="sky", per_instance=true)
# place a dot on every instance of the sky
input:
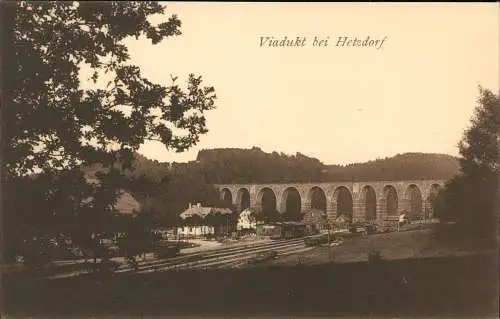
(416, 93)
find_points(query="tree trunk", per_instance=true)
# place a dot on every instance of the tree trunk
(7, 20)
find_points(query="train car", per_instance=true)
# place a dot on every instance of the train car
(293, 230)
(281, 230)
(269, 230)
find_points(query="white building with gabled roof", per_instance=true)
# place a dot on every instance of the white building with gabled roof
(204, 227)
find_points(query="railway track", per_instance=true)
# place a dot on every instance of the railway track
(219, 258)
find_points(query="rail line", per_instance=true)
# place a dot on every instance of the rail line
(217, 258)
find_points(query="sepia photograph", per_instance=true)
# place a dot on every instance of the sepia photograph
(257, 160)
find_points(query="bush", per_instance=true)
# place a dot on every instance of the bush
(66, 254)
(166, 251)
(371, 228)
(264, 256)
(316, 240)
(37, 252)
(374, 256)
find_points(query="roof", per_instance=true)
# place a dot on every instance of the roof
(203, 211)
(293, 223)
(289, 223)
(314, 216)
(342, 219)
(314, 211)
(246, 212)
(125, 203)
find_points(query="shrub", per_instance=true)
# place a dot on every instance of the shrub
(316, 240)
(166, 251)
(374, 256)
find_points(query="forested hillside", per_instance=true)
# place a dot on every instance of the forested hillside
(175, 185)
(255, 166)
(406, 166)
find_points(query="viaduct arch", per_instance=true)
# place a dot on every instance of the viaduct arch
(358, 201)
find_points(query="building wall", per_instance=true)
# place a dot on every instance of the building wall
(195, 230)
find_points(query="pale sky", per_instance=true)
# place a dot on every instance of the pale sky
(340, 105)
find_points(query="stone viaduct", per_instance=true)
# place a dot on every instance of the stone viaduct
(361, 201)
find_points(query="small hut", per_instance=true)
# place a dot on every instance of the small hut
(341, 224)
(315, 220)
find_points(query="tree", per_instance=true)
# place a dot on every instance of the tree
(139, 237)
(246, 220)
(183, 187)
(220, 221)
(470, 197)
(52, 126)
(269, 216)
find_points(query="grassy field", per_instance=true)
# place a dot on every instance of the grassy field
(417, 243)
(450, 287)
(417, 278)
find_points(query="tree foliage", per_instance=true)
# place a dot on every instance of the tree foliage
(470, 198)
(255, 166)
(52, 124)
(407, 166)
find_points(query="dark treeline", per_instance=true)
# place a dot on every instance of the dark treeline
(255, 166)
(407, 166)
